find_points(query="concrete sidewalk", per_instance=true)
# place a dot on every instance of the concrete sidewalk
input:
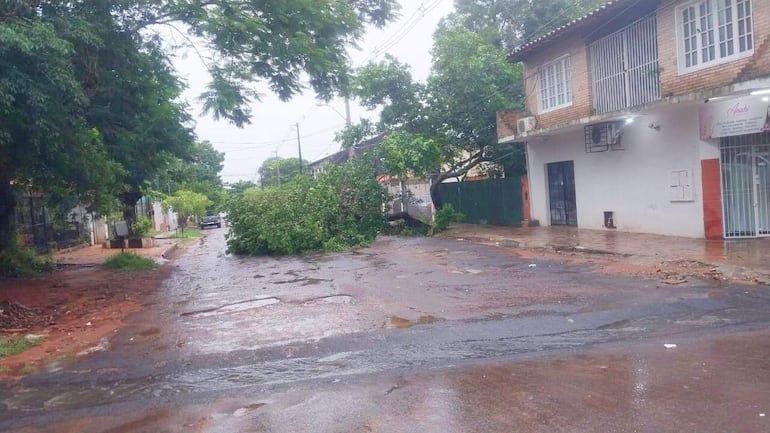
(96, 254)
(743, 258)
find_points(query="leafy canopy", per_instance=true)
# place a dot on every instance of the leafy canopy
(446, 126)
(187, 204)
(508, 23)
(197, 172)
(341, 209)
(278, 171)
(90, 102)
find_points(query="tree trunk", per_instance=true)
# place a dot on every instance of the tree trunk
(404, 206)
(129, 199)
(409, 220)
(7, 207)
(435, 193)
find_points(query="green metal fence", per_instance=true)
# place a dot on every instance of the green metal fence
(491, 201)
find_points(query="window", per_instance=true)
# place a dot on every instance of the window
(713, 32)
(555, 85)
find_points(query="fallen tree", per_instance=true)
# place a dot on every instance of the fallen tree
(342, 209)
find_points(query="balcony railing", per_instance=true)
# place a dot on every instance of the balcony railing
(624, 67)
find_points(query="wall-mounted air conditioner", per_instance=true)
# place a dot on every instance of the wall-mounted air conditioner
(601, 137)
(526, 125)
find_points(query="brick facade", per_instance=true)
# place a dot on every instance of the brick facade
(581, 84)
(506, 123)
(672, 82)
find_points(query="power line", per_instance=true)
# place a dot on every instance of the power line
(402, 32)
(267, 144)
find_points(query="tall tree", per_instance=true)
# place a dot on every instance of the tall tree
(507, 23)
(132, 94)
(198, 172)
(89, 100)
(278, 171)
(45, 141)
(454, 112)
(187, 204)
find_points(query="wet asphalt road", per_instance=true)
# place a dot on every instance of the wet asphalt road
(413, 335)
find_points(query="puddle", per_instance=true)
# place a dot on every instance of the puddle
(337, 356)
(104, 343)
(304, 281)
(234, 307)
(401, 323)
(247, 409)
(150, 332)
(424, 320)
(332, 299)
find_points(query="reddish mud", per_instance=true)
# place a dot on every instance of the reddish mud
(74, 309)
(670, 272)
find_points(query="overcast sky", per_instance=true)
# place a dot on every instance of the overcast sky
(273, 127)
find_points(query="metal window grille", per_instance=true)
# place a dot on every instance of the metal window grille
(745, 167)
(624, 67)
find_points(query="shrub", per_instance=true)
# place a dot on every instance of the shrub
(343, 208)
(24, 262)
(445, 216)
(141, 228)
(129, 262)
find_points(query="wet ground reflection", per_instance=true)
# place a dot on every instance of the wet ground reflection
(709, 385)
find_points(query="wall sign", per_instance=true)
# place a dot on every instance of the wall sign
(739, 116)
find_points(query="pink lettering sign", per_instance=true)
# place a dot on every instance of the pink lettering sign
(737, 109)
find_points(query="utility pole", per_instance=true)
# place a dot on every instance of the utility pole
(347, 111)
(299, 149)
(278, 168)
(352, 150)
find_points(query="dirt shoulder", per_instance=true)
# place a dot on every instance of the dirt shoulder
(74, 309)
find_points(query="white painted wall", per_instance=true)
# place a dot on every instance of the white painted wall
(163, 220)
(634, 183)
(421, 204)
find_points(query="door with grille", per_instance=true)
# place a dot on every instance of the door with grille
(561, 193)
(746, 185)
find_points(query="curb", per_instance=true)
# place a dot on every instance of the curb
(170, 248)
(513, 243)
(71, 249)
(579, 249)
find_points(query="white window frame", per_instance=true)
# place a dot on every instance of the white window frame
(552, 89)
(714, 40)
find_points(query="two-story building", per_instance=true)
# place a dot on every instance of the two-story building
(650, 116)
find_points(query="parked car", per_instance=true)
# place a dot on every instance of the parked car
(210, 221)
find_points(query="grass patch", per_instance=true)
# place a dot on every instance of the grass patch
(27, 369)
(187, 234)
(12, 346)
(129, 262)
(24, 262)
(4, 369)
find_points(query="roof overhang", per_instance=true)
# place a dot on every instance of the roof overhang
(692, 99)
(590, 20)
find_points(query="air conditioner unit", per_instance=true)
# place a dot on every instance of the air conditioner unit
(601, 137)
(525, 125)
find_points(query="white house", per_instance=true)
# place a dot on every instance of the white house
(650, 116)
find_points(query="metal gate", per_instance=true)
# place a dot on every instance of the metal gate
(490, 201)
(561, 193)
(745, 163)
(624, 67)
